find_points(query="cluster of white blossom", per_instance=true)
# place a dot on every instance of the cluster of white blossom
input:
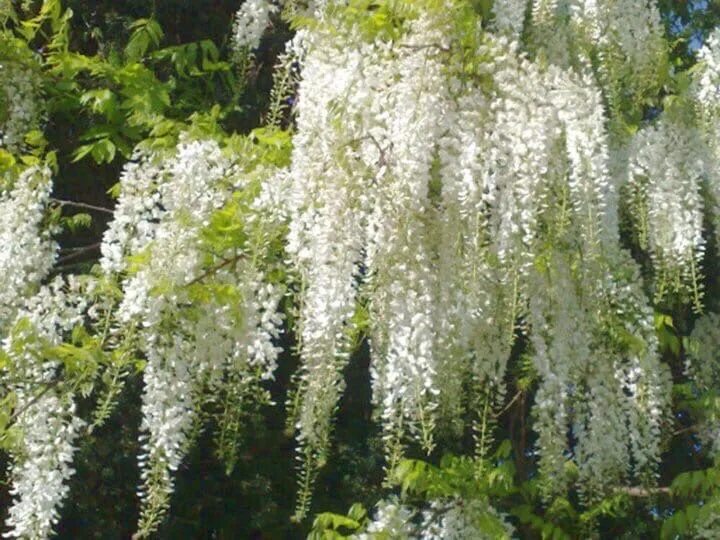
(165, 204)
(667, 167)
(592, 194)
(454, 211)
(326, 231)
(392, 518)
(561, 346)
(250, 23)
(703, 368)
(549, 34)
(456, 519)
(609, 393)
(19, 103)
(633, 26)
(623, 40)
(707, 88)
(40, 476)
(706, 91)
(639, 395)
(510, 16)
(136, 214)
(187, 193)
(368, 119)
(494, 153)
(443, 519)
(516, 155)
(28, 251)
(411, 118)
(46, 413)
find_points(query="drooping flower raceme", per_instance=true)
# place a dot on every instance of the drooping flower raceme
(441, 519)
(326, 234)
(193, 335)
(622, 40)
(250, 23)
(28, 251)
(42, 464)
(633, 26)
(706, 92)
(401, 283)
(182, 194)
(707, 84)
(703, 368)
(20, 107)
(136, 214)
(668, 165)
(460, 211)
(510, 16)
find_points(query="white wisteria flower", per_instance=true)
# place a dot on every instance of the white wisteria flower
(42, 464)
(250, 23)
(29, 250)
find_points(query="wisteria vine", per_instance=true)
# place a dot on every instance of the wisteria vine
(450, 188)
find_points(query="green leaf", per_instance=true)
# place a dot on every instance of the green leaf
(35, 138)
(147, 34)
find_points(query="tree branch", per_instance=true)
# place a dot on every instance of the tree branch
(510, 404)
(16, 413)
(639, 491)
(86, 206)
(78, 251)
(214, 269)
(686, 429)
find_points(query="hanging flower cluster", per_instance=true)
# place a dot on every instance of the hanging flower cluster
(630, 28)
(28, 251)
(205, 321)
(20, 108)
(621, 40)
(250, 23)
(707, 87)
(703, 368)
(45, 410)
(33, 318)
(368, 120)
(510, 16)
(187, 193)
(706, 93)
(443, 519)
(667, 168)
(454, 208)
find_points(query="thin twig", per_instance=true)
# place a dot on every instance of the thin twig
(33, 401)
(214, 269)
(87, 206)
(78, 251)
(683, 430)
(638, 491)
(81, 248)
(421, 46)
(510, 404)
